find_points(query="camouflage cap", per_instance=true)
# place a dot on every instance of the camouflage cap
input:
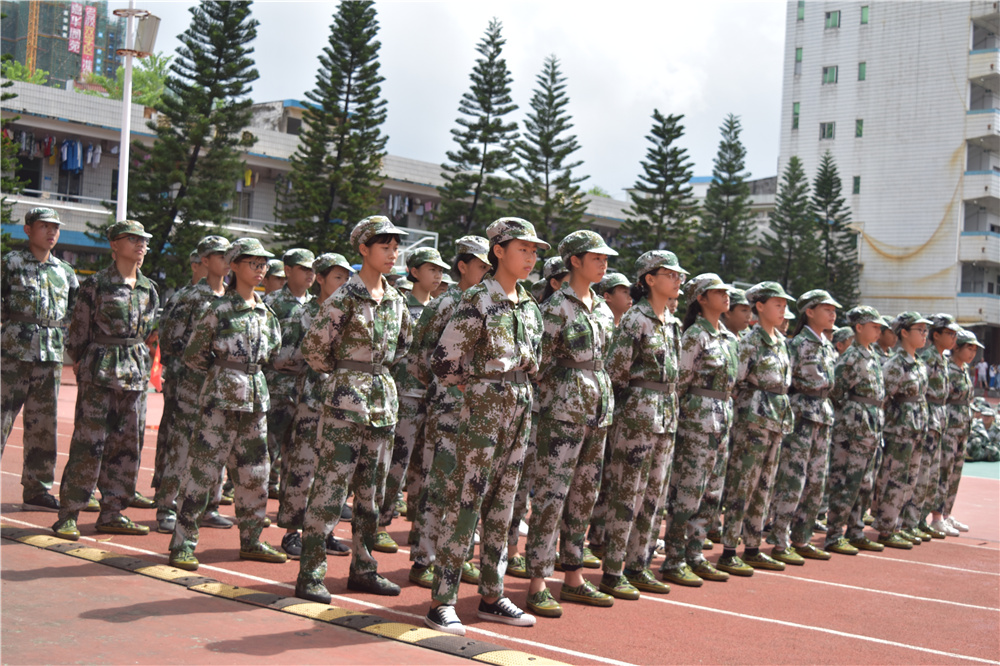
(477, 246)
(194, 257)
(403, 284)
(610, 281)
(967, 337)
(583, 241)
(815, 297)
(127, 228)
(249, 247)
(298, 256)
(942, 321)
(987, 412)
(328, 260)
(42, 215)
(514, 228)
(538, 288)
(788, 313)
(906, 320)
(863, 314)
(446, 279)
(654, 259)
(211, 244)
(374, 225)
(737, 297)
(275, 268)
(554, 267)
(886, 322)
(765, 290)
(979, 403)
(425, 255)
(700, 284)
(843, 333)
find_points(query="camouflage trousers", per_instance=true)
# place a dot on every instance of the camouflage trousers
(104, 451)
(639, 469)
(177, 462)
(697, 455)
(952, 461)
(298, 468)
(716, 491)
(409, 435)
(168, 418)
(225, 439)
(798, 490)
(279, 432)
(492, 439)
(753, 467)
(34, 386)
(349, 456)
(867, 496)
(597, 535)
(892, 486)
(569, 458)
(927, 454)
(525, 488)
(852, 457)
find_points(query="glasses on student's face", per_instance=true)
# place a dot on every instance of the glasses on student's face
(136, 240)
(671, 275)
(256, 265)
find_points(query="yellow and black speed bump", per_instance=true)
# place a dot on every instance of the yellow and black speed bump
(370, 624)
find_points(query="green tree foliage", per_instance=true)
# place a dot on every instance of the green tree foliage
(478, 172)
(149, 81)
(183, 187)
(334, 181)
(547, 192)
(599, 191)
(662, 210)
(726, 231)
(790, 242)
(838, 252)
(17, 71)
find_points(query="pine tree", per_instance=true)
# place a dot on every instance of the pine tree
(726, 232)
(183, 186)
(662, 210)
(790, 243)
(334, 180)
(477, 174)
(547, 192)
(837, 243)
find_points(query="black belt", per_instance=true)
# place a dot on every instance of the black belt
(653, 386)
(906, 398)
(109, 340)
(249, 368)
(959, 402)
(709, 393)
(596, 365)
(370, 368)
(935, 401)
(874, 402)
(512, 377)
(781, 391)
(822, 394)
(38, 321)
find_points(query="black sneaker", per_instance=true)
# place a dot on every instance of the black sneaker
(504, 611)
(291, 543)
(216, 520)
(44, 502)
(372, 583)
(166, 523)
(346, 515)
(315, 592)
(444, 618)
(335, 546)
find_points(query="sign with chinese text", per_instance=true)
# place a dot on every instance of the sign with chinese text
(89, 30)
(75, 27)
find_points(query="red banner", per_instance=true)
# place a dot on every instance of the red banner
(89, 30)
(75, 27)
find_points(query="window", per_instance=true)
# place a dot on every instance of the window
(979, 280)
(70, 185)
(857, 185)
(864, 15)
(243, 204)
(859, 127)
(798, 60)
(795, 115)
(826, 130)
(801, 16)
(833, 19)
(114, 185)
(862, 71)
(830, 74)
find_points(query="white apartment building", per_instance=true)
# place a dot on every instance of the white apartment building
(906, 96)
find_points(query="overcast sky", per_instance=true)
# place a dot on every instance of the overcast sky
(622, 59)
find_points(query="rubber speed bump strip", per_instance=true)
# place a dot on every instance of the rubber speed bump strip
(370, 624)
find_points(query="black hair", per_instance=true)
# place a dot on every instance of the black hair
(232, 275)
(691, 314)
(640, 289)
(379, 239)
(466, 257)
(569, 262)
(549, 289)
(494, 261)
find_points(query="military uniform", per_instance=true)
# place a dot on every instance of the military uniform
(171, 360)
(925, 483)
(953, 445)
(981, 447)
(37, 300)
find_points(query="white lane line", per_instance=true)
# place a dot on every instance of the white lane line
(929, 564)
(834, 632)
(358, 602)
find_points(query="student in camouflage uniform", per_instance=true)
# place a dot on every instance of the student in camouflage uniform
(491, 347)
(981, 448)
(230, 343)
(707, 367)
(358, 335)
(112, 318)
(642, 364)
(763, 417)
(37, 292)
(275, 278)
(798, 490)
(858, 395)
(615, 289)
(842, 339)
(575, 409)
(176, 324)
(426, 268)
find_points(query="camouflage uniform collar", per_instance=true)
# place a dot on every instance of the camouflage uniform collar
(821, 339)
(356, 284)
(286, 293)
(759, 331)
(411, 301)
(30, 256)
(867, 353)
(240, 305)
(141, 281)
(706, 326)
(646, 308)
(499, 295)
(569, 292)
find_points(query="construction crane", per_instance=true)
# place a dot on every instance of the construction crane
(32, 36)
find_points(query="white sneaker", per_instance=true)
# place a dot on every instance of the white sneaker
(943, 526)
(661, 546)
(504, 611)
(961, 527)
(522, 529)
(444, 618)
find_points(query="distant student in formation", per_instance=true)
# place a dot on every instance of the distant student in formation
(37, 292)
(842, 339)
(615, 289)
(275, 278)
(113, 316)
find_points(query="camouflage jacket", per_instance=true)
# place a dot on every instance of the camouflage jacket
(351, 326)
(282, 373)
(41, 290)
(172, 343)
(176, 325)
(813, 359)
(404, 372)
(428, 331)
(979, 440)
(573, 333)
(859, 372)
(309, 384)
(905, 379)
(709, 359)
(762, 382)
(489, 335)
(937, 389)
(233, 332)
(960, 392)
(645, 349)
(108, 307)
(994, 432)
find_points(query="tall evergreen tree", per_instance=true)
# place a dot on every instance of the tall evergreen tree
(662, 210)
(837, 243)
(477, 174)
(790, 242)
(184, 185)
(547, 192)
(726, 230)
(336, 169)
